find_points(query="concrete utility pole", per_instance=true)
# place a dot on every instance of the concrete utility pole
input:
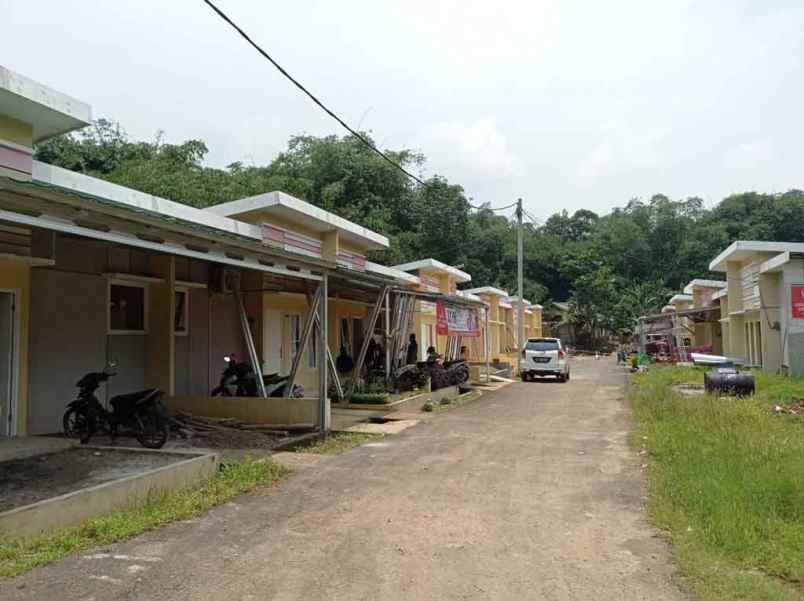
(520, 309)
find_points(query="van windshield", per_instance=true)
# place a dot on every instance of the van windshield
(542, 345)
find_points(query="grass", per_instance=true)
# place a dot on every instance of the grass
(20, 555)
(726, 480)
(338, 442)
(447, 404)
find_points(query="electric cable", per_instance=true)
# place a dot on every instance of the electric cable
(309, 94)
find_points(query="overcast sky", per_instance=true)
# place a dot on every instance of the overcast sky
(568, 104)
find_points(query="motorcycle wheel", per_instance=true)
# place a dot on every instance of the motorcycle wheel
(152, 430)
(74, 423)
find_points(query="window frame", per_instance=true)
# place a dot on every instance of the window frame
(130, 284)
(186, 291)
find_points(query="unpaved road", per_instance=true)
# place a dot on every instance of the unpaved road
(528, 493)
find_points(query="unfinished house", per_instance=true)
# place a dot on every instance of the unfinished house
(441, 279)
(91, 271)
(763, 306)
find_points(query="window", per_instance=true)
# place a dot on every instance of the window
(181, 317)
(127, 308)
(346, 335)
(542, 345)
(312, 351)
(294, 321)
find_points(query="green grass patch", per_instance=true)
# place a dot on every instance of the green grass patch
(338, 442)
(20, 555)
(370, 398)
(458, 401)
(726, 480)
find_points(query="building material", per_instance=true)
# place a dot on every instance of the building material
(249, 340)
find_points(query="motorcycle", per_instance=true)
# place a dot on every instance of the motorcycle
(141, 412)
(239, 379)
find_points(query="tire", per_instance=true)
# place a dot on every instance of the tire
(562, 378)
(152, 430)
(74, 423)
(567, 377)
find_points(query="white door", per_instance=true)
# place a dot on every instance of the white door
(7, 363)
(272, 342)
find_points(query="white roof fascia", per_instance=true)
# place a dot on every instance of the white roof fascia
(391, 272)
(722, 293)
(215, 256)
(702, 283)
(489, 290)
(745, 247)
(48, 111)
(305, 210)
(461, 277)
(776, 263)
(470, 296)
(56, 176)
(680, 298)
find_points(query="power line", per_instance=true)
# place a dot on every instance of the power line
(310, 95)
(487, 208)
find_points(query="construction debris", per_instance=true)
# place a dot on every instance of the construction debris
(794, 407)
(230, 433)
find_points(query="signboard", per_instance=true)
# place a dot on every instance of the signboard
(797, 301)
(456, 321)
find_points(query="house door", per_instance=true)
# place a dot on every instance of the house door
(7, 363)
(272, 342)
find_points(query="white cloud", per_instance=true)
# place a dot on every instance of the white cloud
(749, 155)
(622, 149)
(475, 146)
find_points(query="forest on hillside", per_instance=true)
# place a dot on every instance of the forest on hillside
(610, 268)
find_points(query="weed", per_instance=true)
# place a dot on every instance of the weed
(726, 478)
(338, 442)
(20, 555)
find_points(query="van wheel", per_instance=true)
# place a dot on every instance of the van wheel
(525, 377)
(562, 378)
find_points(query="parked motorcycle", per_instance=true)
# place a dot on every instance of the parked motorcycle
(141, 412)
(239, 379)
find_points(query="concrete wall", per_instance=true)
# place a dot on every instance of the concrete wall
(771, 289)
(16, 276)
(67, 340)
(250, 410)
(73, 508)
(792, 329)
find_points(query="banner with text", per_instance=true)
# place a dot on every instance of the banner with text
(797, 301)
(456, 321)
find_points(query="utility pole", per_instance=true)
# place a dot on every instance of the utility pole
(520, 309)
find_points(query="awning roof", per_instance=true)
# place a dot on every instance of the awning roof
(48, 111)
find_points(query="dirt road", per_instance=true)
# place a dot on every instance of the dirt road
(528, 493)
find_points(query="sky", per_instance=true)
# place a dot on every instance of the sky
(566, 104)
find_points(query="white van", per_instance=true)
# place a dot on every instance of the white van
(544, 357)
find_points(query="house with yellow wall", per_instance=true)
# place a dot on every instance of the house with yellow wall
(762, 306)
(91, 271)
(496, 317)
(706, 326)
(434, 276)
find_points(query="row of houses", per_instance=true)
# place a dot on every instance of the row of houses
(756, 314)
(91, 272)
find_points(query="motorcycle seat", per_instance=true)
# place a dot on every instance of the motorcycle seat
(133, 397)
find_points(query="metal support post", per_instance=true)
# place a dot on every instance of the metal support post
(520, 309)
(488, 346)
(375, 313)
(387, 337)
(324, 419)
(252, 350)
(308, 328)
(333, 370)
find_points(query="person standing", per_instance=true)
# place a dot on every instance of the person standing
(413, 350)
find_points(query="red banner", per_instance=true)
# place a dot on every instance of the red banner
(797, 301)
(452, 320)
(442, 325)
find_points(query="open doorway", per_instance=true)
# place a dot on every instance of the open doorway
(8, 362)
